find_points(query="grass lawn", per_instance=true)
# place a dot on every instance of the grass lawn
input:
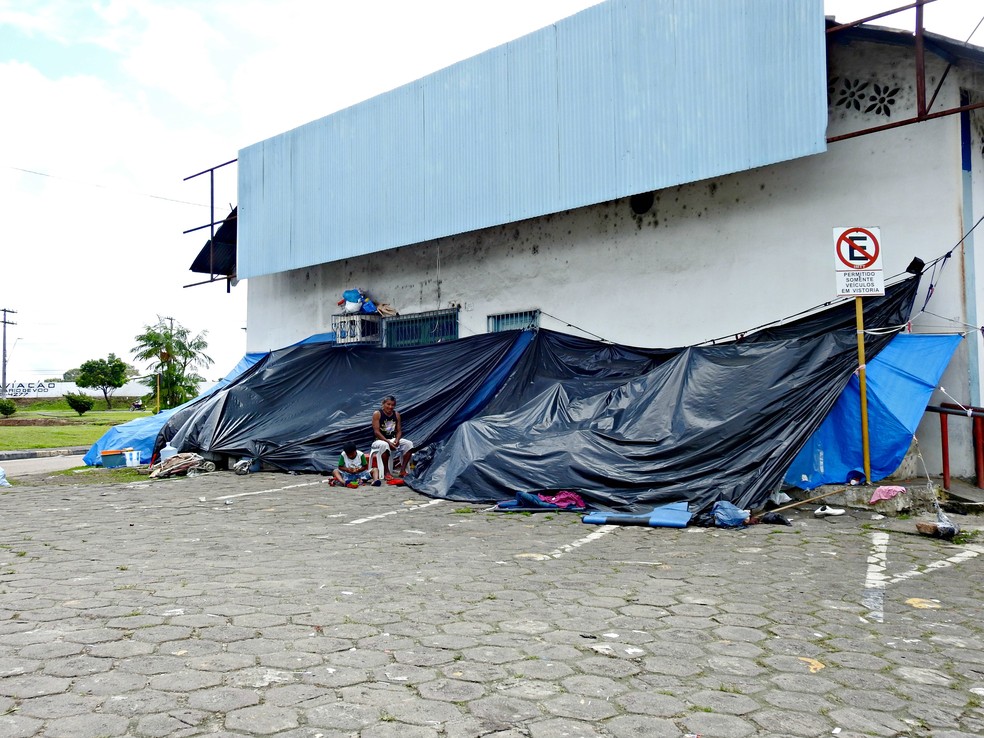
(58, 426)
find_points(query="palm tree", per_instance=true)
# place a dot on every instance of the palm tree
(175, 356)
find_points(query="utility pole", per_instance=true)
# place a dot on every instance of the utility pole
(3, 383)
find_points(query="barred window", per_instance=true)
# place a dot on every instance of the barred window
(421, 329)
(514, 321)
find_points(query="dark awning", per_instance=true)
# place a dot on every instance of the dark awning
(219, 258)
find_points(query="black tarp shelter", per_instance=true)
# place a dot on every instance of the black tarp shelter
(628, 428)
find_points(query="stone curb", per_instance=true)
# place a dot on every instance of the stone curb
(39, 453)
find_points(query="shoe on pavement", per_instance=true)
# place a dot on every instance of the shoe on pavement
(825, 511)
(376, 483)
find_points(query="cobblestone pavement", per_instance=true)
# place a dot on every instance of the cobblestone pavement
(274, 604)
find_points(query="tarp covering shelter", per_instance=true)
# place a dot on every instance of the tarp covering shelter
(141, 433)
(900, 382)
(138, 434)
(629, 428)
(297, 408)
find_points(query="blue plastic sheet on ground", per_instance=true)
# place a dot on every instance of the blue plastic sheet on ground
(900, 381)
(672, 515)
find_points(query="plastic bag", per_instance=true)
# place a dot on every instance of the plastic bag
(352, 301)
(369, 306)
(727, 515)
(3, 479)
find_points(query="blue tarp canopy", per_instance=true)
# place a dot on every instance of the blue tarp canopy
(900, 381)
(141, 433)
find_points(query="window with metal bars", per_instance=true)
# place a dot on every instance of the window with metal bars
(514, 321)
(421, 329)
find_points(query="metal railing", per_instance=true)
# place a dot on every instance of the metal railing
(976, 416)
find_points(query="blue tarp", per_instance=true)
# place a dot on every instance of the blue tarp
(141, 433)
(138, 434)
(900, 381)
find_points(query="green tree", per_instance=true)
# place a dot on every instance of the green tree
(79, 403)
(175, 356)
(7, 407)
(70, 376)
(107, 374)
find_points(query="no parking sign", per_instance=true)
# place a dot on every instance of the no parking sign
(857, 260)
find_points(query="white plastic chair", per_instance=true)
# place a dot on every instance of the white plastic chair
(376, 462)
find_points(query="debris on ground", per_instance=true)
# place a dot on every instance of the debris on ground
(942, 527)
(186, 463)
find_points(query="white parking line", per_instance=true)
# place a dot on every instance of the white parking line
(360, 521)
(593, 536)
(264, 491)
(968, 553)
(875, 580)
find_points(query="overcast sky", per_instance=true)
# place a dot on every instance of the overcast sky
(108, 105)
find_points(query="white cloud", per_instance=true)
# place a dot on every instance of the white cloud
(89, 257)
(52, 18)
(171, 49)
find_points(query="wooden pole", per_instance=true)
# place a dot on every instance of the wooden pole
(158, 394)
(859, 313)
(811, 499)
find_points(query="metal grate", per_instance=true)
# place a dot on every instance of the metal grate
(421, 329)
(514, 321)
(356, 328)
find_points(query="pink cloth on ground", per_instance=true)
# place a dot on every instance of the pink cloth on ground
(885, 493)
(564, 499)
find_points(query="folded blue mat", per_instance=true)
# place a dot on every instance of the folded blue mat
(673, 515)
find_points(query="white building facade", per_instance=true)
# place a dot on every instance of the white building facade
(700, 259)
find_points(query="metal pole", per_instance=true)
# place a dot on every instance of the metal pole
(852, 24)
(3, 381)
(920, 62)
(158, 394)
(945, 450)
(859, 313)
(978, 433)
(3, 374)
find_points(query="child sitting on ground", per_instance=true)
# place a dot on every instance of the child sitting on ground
(353, 468)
